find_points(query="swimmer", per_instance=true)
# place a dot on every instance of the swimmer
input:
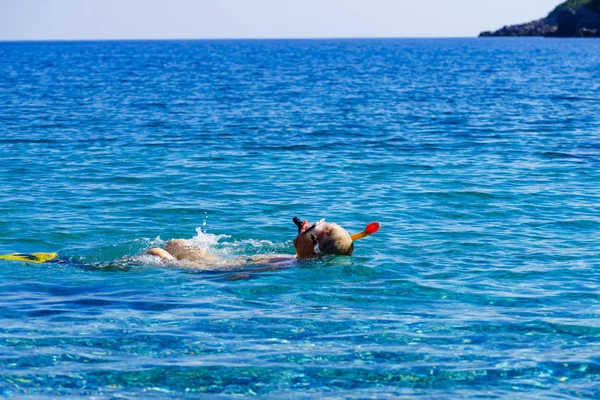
(312, 241)
(329, 238)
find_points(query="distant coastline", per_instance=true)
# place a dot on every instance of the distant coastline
(573, 18)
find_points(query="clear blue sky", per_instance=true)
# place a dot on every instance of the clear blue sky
(168, 19)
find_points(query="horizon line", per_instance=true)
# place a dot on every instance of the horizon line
(237, 39)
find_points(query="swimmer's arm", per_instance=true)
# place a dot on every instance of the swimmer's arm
(163, 254)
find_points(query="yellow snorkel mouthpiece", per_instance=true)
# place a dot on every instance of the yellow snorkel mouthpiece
(372, 228)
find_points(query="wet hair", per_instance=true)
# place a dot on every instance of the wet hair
(336, 241)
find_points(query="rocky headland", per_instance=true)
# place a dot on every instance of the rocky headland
(573, 18)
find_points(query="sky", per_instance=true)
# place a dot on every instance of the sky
(208, 19)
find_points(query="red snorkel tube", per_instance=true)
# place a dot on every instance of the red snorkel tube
(372, 228)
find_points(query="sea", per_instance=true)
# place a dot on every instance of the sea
(479, 157)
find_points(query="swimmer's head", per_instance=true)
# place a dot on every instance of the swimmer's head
(335, 240)
(331, 239)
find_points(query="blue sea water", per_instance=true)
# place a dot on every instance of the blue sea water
(481, 158)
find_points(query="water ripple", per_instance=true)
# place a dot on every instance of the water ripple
(479, 157)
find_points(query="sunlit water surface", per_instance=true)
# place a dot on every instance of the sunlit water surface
(481, 158)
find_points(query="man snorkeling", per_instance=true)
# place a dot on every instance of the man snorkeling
(320, 238)
(312, 241)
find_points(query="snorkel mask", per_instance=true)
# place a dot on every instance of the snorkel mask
(304, 228)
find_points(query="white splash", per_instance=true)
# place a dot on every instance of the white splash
(206, 240)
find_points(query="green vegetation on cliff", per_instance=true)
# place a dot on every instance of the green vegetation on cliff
(572, 4)
(572, 18)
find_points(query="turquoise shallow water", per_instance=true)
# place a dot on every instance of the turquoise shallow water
(480, 157)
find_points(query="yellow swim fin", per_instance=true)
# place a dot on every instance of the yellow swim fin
(31, 257)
